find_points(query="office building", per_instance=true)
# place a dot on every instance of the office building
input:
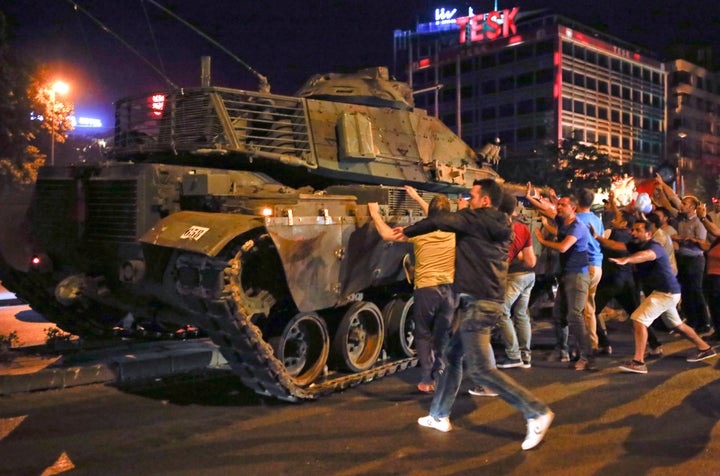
(693, 121)
(529, 78)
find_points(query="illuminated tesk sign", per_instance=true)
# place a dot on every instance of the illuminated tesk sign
(487, 26)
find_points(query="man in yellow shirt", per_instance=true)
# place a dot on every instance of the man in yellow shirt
(434, 299)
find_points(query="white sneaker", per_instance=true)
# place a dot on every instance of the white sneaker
(536, 429)
(440, 424)
(481, 392)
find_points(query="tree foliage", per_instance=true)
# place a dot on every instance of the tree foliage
(578, 165)
(570, 165)
(521, 170)
(566, 166)
(19, 159)
(701, 184)
(24, 95)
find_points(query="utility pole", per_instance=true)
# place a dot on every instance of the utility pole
(58, 88)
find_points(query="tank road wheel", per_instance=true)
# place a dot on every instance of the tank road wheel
(400, 327)
(303, 347)
(359, 337)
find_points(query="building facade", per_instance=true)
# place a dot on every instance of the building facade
(530, 78)
(693, 120)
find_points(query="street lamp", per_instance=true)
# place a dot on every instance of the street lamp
(680, 180)
(59, 87)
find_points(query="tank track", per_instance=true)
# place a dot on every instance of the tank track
(228, 323)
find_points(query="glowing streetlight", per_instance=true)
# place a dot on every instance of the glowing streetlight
(680, 180)
(59, 87)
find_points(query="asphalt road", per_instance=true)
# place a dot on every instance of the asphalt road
(607, 423)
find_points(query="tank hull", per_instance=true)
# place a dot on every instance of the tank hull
(158, 248)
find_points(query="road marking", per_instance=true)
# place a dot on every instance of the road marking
(62, 464)
(376, 466)
(7, 425)
(277, 418)
(666, 395)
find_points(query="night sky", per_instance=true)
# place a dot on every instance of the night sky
(286, 40)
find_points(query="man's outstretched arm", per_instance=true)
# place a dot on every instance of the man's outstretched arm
(636, 258)
(383, 228)
(543, 206)
(412, 193)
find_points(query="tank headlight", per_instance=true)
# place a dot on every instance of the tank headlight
(267, 212)
(132, 271)
(41, 263)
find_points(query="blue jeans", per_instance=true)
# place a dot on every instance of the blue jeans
(433, 311)
(569, 311)
(472, 340)
(515, 322)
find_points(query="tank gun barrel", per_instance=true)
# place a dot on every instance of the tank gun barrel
(437, 87)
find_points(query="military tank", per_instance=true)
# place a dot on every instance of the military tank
(243, 213)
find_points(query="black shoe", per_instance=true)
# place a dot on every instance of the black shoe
(604, 350)
(634, 366)
(702, 355)
(509, 363)
(655, 353)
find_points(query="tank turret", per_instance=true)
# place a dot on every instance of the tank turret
(372, 87)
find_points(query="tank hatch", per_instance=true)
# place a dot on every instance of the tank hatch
(371, 87)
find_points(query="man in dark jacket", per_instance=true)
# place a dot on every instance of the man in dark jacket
(483, 236)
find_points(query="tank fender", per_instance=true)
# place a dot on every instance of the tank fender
(200, 232)
(326, 263)
(311, 254)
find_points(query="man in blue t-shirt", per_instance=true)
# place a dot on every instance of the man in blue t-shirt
(656, 276)
(595, 260)
(569, 309)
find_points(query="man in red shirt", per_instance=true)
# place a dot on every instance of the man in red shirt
(515, 323)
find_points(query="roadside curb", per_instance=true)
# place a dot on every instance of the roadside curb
(8, 299)
(128, 364)
(6, 302)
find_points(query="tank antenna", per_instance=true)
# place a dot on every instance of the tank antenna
(125, 43)
(264, 85)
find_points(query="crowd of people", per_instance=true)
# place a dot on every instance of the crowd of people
(474, 276)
